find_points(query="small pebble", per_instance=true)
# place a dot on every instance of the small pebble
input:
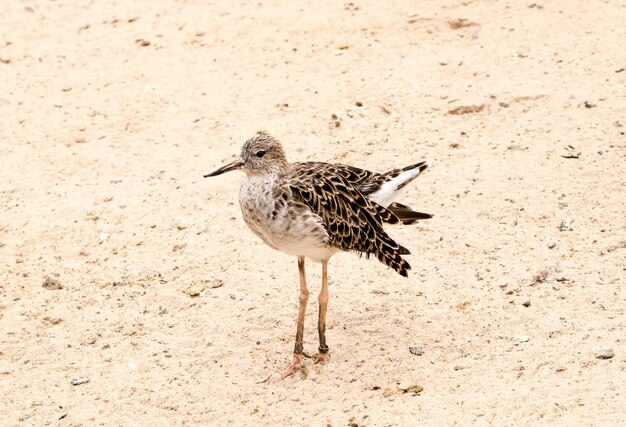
(589, 104)
(571, 152)
(526, 303)
(195, 290)
(80, 380)
(217, 283)
(566, 225)
(605, 354)
(415, 388)
(416, 351)
(51, 283)
(523, 338)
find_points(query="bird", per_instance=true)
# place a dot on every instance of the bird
(314, 210)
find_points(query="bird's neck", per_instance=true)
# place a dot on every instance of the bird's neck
(266, 179)
(275, 171)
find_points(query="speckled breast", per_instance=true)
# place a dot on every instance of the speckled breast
(282, 222)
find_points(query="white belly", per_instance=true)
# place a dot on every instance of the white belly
(309, 248)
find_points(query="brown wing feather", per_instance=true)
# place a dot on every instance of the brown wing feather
(353, 222)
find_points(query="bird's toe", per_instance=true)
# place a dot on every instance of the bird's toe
(321, 358)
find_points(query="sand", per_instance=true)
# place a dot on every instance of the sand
(131, 292)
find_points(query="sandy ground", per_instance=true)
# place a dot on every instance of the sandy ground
(121, 265)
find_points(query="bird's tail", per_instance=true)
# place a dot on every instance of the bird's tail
(402, 177)
(395, 180)
(405, 214)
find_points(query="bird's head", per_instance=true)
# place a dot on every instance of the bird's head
(259, 155)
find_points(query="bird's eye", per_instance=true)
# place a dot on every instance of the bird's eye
(260, 153)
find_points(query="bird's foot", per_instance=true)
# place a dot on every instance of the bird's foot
(295, 363)
(321, 358)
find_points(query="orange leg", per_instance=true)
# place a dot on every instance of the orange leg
(323, 356)
(298, 349)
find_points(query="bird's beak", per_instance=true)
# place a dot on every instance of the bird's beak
(237, 164)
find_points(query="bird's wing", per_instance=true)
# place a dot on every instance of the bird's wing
(353, 222)
(379, 188)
